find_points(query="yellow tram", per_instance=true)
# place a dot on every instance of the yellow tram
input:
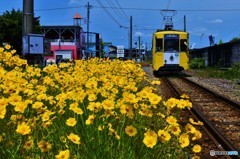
(170, 51)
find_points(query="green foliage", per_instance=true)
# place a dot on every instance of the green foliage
(11, 24)
(232, 73)
(197, 63)
(234, 39)
(220, 41)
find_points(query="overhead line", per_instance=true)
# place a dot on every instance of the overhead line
(118, 13)
(104, 8)
(121, 8)
(62, 8)
(143, 9)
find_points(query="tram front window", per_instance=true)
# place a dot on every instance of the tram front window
(171, 45)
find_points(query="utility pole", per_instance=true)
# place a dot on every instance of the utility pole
(130, 40)
(185, 23)
(27, 25)
(88, 21)
(27, 17)
(139, 48)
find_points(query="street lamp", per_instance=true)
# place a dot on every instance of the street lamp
(127, 28)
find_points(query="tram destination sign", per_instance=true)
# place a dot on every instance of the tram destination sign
(171, 36)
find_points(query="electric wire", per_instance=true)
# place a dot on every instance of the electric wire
(117, 12)
(121, 9)
(52, 9)
(144, 9)
(104, 8)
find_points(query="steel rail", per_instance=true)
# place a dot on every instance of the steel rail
(225, 143)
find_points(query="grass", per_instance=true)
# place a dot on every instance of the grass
(210, 72)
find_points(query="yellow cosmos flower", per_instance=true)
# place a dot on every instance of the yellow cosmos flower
(23, 129)
(184, 96)
(92, 97)
(108, 104)
(71, 122)
(131, 131)
(171, 120)
(7, 46)
(196, 157)
(63, 155)
(195, 123)
(131, 98)
(90, 119)
(46, 115)
(28, 145)
(91, 84)
(184, 104)
(37, 105)
(78, 111)
(190, 128)
(1, 49)
(156, 82)
(197, 135)
(74, 107)
(184, 140)
(3, 111)
(175, 129)
(74, 138)
(20, 106)
(13, 51)
(94, 106)
(196, 148)
(44, 146)
(171, 103)
(154, 99)
(143, 93)
(164, 136)
(150, 139)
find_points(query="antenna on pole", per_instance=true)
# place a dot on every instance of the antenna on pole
(167, 18)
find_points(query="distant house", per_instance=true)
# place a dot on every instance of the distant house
(64, 42)
(112, 51)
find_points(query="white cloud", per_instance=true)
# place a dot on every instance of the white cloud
(216, 21)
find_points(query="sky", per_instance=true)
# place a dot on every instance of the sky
(111, 18)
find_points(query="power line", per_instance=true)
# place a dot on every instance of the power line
(118, 13)
(62, 8)
(121, 8)
(104, 8)
(142, 9)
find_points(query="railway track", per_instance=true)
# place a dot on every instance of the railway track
(221, 116)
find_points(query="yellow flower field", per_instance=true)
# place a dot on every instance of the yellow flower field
(88, 109)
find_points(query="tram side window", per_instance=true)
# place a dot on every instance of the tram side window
(159, 45)
(183, 46)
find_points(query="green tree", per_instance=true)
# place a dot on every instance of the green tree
(234, 39)
(220, 41)
(11, 28)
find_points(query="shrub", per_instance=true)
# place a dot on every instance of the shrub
(197, 63)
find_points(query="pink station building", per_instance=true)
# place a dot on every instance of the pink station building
(64, 42)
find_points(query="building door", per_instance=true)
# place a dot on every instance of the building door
(60, 54)
(58, 58)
